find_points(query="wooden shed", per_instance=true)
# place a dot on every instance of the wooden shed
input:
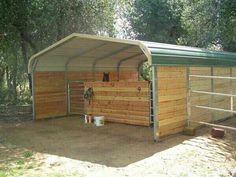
(189, 85)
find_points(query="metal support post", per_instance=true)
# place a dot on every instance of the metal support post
(212, 96)
(188, 96)
(155, 103)
(232, 92)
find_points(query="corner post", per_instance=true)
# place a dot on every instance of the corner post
(66, 89)
(33, 95)
(212, 96)
(232, 92)
(155, 103)
(33, 88)
(188, 96)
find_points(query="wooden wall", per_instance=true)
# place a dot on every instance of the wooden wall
(171, 100)
(172, 97)
(50, 89)
(120, 102)
(49, 94)
(88, 76)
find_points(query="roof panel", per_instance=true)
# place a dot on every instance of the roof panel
(167, 54)
(80, 46)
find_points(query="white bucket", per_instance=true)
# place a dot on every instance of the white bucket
(98, 120)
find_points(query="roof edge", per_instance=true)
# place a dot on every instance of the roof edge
(142, 46)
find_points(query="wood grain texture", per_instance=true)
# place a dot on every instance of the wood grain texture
(120, 102)
(113, 76)
(171, 99)
(50, 96)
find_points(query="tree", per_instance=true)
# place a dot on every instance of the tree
(28, 26)
(156, 20)
(209, 23)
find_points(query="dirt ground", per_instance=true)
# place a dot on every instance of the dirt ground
(68, 147)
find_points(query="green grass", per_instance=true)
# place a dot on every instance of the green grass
(3, 173)
(20, 162)
(28, 154)
(16, 168)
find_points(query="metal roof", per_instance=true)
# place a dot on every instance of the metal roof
(89, 53)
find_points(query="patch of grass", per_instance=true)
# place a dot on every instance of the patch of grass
(222, 175)
(16, 168)
(3, 174)
(20, 162)
(28, 154)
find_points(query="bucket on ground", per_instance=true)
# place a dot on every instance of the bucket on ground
(98, 120)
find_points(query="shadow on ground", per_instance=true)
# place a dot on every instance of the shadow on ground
(115, 145)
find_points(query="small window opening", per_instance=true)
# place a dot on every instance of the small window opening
(105, 77)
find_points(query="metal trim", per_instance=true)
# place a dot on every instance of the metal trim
(188, 98)
(212, 96)
(123, 60)
(33, 88)
(214, 93)
(155, 104)
(213, 108)
(213, 77)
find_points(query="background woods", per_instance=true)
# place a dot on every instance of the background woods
(28, 26)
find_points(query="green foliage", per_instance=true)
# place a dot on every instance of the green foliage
(210, 23)
(27, 27)
(202, 23)
(145, 72)
(27, 154)
(156, 20)
(20, 162)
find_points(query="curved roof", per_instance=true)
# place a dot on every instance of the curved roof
(90, 53)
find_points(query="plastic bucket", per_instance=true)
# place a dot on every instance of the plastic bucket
(98, 120)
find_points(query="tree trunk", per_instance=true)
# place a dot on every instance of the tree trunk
(14, 78)
(2, 73)
(25, 57)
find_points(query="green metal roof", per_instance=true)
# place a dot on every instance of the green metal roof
(166, 54)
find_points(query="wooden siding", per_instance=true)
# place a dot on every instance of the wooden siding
(50, 96)
(88, 76)
(50, 93)
(171, 99)
(172, 95)
(120, 102)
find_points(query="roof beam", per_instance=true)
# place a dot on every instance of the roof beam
(127, 58)
(108, 55)
(123, 60)
(84, 52)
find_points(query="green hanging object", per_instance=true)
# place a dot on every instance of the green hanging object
(88, 94)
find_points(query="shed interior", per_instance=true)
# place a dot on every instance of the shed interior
(63, 72)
